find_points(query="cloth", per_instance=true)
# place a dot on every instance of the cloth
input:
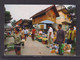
(23, 40)
(50, 30)
(33, 31)
(60, 36)
(71, 35)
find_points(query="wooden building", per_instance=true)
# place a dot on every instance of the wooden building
(63, 18)
(49, 13)
(63, 14)
(24, 23)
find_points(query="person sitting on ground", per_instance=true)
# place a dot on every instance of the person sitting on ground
(40, 32)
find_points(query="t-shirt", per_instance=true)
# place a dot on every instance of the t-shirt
(74, 28)
(33, 31)
(60, 36)
(50, 30)
(40, 32)
(25, 31)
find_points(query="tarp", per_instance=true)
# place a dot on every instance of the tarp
(47, 22)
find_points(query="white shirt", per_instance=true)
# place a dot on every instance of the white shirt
(25, 32)
(50, 30)
(74, 28)
(40, 32)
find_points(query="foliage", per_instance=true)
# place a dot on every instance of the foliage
(13, 23)
(7, 17)
(72, 13)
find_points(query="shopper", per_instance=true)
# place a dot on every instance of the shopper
(60, 38)
(33, 33)
(25, 33)
(22, 37)
(71, 37)
(17, 41)
(74, 27)
(50, 36)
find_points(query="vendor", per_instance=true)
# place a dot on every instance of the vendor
(50, 36)
(40, 32)
(17, 41)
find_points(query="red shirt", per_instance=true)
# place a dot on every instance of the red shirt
(33, 31)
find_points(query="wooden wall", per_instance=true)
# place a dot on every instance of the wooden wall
(50, 15)
(62, 17)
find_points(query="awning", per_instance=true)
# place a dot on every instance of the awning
(47, 22)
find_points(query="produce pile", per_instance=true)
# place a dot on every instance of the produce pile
(42, 38)
(65, 48)
(54, 48)
(9, 47)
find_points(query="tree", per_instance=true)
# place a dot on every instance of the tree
(72, 12)
(7, 17)
(13, 23)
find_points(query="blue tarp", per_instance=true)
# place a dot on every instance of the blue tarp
(47, 22)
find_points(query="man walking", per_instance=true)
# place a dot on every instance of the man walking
(60, 38)
(50, 36)
(33, 33)
(25, 33)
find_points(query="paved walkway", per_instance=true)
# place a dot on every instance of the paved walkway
(31, 48)
(35, 48)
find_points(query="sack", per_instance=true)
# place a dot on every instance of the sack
(67, 48)
(23, 40)
(54, 48)
(10, 47)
